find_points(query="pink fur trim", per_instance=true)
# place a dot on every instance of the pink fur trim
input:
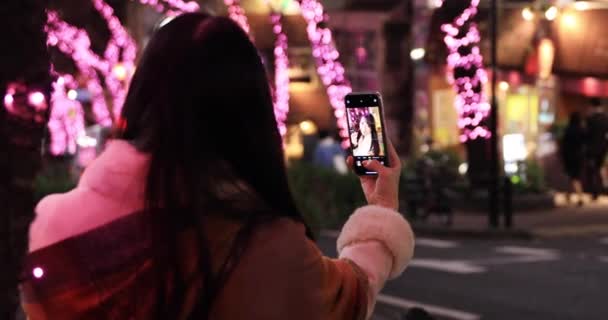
(384, 225)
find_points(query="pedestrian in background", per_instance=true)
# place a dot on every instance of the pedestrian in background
(329, 154)
(189, 215)
(597, 146)
(572, 151)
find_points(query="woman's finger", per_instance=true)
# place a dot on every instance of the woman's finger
(375, 166)
(394, 161)
(349, 162)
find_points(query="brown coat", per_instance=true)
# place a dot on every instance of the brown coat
(107, 273)
(91, 257)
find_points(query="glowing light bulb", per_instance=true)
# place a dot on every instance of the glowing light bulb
(417, 53)
(308, 127)
(38, 272)
(8, 100)
(120, 72)
(503, 85)
(551, 13)
(527, 14)
(569, 20)
(36, 98)
(72, 94)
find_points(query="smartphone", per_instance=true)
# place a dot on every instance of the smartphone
(366, 130)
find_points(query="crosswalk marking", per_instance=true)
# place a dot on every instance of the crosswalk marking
(514, 254)
(604, 240)
(435, 310)
(536, 252)
(435, 243)
(603, 259)
(521, 255)
(451, 266)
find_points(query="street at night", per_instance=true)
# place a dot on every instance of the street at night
(546, 279)
(172, 159)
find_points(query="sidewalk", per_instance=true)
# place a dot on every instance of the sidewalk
(563, 221)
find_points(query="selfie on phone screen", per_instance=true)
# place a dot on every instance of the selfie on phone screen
(366, 133)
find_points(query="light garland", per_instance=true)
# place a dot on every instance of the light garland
(175, 7)
(25, 103)
(281, 74)
(180, 5)
(120, 40)
(66, 121)
(75, 42)
(326, 56)
(237, 14)
(117, 65)
(470, 104)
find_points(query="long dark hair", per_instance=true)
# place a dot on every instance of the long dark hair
(201, 106)
(371, 123)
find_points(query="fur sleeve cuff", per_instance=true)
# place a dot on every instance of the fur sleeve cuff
(384, 225)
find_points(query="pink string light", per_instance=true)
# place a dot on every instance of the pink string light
(38, 272)
(178, 6)
(237, 13)
(326, 57)
(281, 75)
(470, 104)
(115, 67)
(66, 121)
(23, 102)
(120, 42)
(120, 54)
(75, 42)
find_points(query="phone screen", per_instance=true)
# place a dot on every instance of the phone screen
(366, 130)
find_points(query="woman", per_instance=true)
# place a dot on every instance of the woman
(573, 153)
(188, 214)
(365, 141)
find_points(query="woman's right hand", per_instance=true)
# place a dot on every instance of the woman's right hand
(382, 189)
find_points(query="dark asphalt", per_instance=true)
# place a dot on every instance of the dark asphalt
(566, 279)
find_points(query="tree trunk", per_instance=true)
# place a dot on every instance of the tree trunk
(26, 61)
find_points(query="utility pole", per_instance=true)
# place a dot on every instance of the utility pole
(494, 159)
(24, 64)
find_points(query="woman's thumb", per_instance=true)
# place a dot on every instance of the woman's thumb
(373, 165)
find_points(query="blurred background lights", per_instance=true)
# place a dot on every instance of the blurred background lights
(417, 53)
(8, 100)
(38, 272)
(120, 72)
(85, 141)
(569, 20)
(463, 168)
(581, 5)
(511, 168)
(36, 98)
(72, 94)
(551, 13)
(503, 86)
(308, 127)
(527, 14)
